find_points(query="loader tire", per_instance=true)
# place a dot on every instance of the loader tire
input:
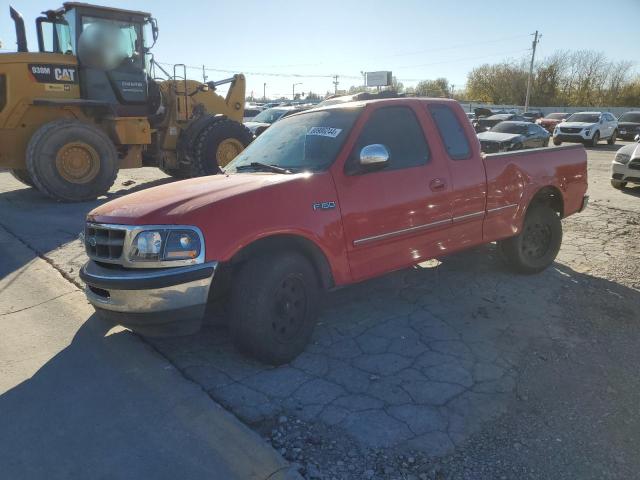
(72, 161)
(177, 173)
(218, 144)
(22, 176)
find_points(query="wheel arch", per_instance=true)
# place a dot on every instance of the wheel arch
(549, 195)
(288, 242)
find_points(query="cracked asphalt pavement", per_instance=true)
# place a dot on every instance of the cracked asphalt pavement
(466, 368)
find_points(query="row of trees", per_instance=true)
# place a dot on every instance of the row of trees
(566, 78)
(580, 78)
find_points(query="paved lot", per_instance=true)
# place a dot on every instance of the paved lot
(498, 374)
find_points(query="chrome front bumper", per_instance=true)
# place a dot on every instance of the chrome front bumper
(153, 302)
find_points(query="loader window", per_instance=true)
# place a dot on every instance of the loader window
(3, 92)
(111, 43)
(55, 36)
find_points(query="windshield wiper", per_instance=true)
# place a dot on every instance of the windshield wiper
(263, 166)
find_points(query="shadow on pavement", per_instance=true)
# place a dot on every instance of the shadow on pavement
(46, 225)
(104, 408)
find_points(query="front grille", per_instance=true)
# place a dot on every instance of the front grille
(570, 130)
(104, 243)
(489, 147)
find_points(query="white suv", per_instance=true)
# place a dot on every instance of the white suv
(588, 128)
(625, 167)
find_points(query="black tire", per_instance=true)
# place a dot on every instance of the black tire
(595, 139)
(274, 305)
(612, 139)
(517, 146)
(50, 140)
(557, 142)
(618, 184)
(178, 173)
(537, 245)
(207, 144)
(22, 176)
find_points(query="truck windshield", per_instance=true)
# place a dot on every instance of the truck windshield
(305, 142)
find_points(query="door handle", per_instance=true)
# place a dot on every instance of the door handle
(437, 184)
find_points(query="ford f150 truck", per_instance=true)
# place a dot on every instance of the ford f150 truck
(323, 199)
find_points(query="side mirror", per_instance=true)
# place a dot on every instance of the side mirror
(374, 156)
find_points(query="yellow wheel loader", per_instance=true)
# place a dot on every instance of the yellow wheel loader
(87, 104)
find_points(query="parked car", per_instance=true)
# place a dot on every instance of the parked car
(323, 199)
(509, 135)
(471, 116)
(549, 122)
(629, 125)
(625, 167)
(264, 119)
(336, 99)
(532, 115)
(587, 128)
(487, 123)
(250, 113)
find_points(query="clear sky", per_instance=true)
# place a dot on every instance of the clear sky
(415, 39)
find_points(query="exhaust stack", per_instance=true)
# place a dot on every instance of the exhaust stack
(21, 34)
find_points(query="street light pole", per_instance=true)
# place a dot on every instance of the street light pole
(264, 91)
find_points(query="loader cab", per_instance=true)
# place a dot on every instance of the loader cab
(110, 47)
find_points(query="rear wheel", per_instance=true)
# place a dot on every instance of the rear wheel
(612, 139)
(274, 304)
(557, 142)
(22, 176)
(537, 245)
(618, 184)
(218, 144)
(595, 139)
(72, 161)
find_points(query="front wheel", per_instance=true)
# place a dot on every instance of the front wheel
(618, 184)
(557, 142)
(538, 243)
(595, 139)
(612, 138)
(217, 144)
(274, 305)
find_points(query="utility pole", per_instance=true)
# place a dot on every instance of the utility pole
(204, 75)
(529, 80)
(335, 84)
(264, 91)
(293, 91)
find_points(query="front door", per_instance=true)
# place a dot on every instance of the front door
(400, 214)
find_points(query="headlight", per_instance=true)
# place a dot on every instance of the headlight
(165, 245)
(622, 158)
(587, 132)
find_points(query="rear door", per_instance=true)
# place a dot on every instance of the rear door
(399, 215)
(469, 181)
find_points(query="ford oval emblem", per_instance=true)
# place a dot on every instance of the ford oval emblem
(92, 241)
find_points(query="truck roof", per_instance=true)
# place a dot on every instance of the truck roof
(400, 100)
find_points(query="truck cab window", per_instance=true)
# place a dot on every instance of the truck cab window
(451, 132)
(396, 128)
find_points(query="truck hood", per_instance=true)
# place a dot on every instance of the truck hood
(167, 204)
(497, 136)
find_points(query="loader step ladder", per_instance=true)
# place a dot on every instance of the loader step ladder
(181, 96)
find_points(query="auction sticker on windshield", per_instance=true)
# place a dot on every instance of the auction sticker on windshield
(324, 131)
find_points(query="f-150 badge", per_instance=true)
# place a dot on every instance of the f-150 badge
(324, 205)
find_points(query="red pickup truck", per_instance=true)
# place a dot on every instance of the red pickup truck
(323, 199)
